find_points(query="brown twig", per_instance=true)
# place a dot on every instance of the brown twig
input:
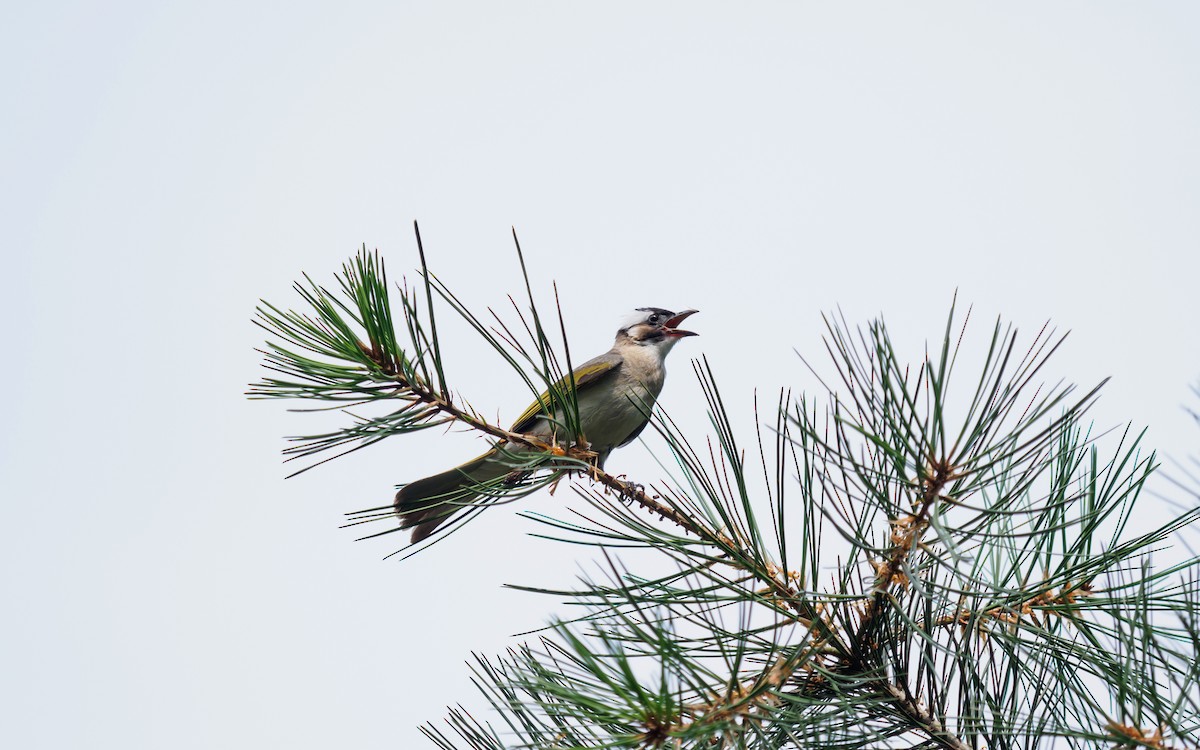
(1012, 612)
(921, 716)
(1131, 737)
(907, 533)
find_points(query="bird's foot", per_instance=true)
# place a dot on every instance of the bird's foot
(629, 491)
(631, 497)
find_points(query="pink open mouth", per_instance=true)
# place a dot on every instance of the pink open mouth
(670, 326)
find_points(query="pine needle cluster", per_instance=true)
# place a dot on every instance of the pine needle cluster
(912, 557)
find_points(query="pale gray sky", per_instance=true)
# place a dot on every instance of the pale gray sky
(164, 165)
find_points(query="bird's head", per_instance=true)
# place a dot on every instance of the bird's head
(655, 327)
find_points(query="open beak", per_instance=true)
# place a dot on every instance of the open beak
(670, 326)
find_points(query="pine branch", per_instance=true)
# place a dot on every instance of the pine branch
(775, 580)
(979, 588)
(347, 352)
(983, 478)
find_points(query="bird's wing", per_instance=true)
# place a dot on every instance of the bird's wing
(586, 374)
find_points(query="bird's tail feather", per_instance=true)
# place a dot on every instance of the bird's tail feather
(427, 503)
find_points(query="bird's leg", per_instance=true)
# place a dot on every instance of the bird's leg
(582, 451)
(590, 457)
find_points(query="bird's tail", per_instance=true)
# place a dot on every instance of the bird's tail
(427, 503)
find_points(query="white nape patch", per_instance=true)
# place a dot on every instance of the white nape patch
(635, 317)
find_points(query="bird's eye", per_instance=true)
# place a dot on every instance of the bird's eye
(653, 319)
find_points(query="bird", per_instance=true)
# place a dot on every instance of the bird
(614, 393)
